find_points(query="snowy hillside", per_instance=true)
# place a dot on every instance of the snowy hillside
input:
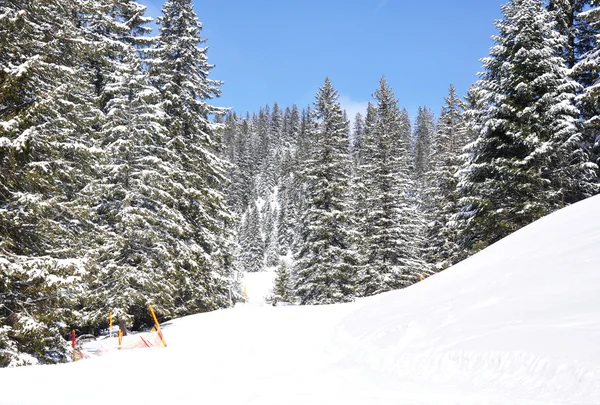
(516, 324)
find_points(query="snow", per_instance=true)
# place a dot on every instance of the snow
(518, 323)
(257, 286)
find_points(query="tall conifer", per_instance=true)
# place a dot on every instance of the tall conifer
(325, 265)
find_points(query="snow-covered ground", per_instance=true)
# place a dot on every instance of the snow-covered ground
(517, 324)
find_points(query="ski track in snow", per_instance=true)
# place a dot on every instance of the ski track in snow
(516, 324)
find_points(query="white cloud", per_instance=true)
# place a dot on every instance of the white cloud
(352, 107)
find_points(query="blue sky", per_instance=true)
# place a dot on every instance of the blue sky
(268, 50)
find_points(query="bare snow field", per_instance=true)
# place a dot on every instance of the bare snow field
(516, 324)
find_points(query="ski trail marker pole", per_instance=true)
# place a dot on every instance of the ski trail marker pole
(73, 342)
(162, 339)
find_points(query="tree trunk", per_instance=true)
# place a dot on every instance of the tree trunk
(123, 327)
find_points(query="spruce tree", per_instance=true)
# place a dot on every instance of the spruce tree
(358, 138)
(527, 159)
(252, 258)
(133, 195)
(282, 284)
(270, 231)
(325, 263)
(424, 139)
(587, 70)
(451, 137)
(576, 31)
(180, 70)
(390, 229)
(46, 111)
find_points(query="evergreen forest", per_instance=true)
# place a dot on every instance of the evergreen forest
(123, 186)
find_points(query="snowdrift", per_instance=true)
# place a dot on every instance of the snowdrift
(518, 323)
(520, 320)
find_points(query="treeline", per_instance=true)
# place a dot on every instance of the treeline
(346, 213)
(112, 185)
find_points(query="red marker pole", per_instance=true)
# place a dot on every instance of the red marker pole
(73, 342)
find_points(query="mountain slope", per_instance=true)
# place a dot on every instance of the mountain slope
(518, 323)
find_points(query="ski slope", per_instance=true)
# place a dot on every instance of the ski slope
(518, 323)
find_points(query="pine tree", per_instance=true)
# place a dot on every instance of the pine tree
(358, 138)
(272, 165)
(587, 70)
(424, 138)
(262, 147)
(325, 264)
(288, 175)
(37, 302)
(282, 291)
(527, 158)
(242, 186)
(578, 34)
(251, 242)
(230, 128)
(270, 232)
(287, 216)
(390, 229)
(302, 161)
(134, 196)
(180, 71)
(46, 110)
(451, 137)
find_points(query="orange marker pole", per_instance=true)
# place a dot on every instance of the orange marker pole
(421, 277)
(110, 325)
(120, 338)
(162, 339)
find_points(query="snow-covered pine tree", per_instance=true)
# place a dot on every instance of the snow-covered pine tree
(262, 148)
(133, 196)
(358, 189)
(580, 40)
(270, 231)
(271, 167)
(441, 182)
(288, 175)
(348, 129)
(302, 158)
(587, 71)
(286, 138)
(527, 158)
(358, 138)
(424, 140)
(242, 188)
(229, 134)
(295, 126)
(282, 284)
(325, 263)
(252, 258)
(46, 111)
(578, 34)
(38, 296)
(391, 225)
(425, 145)
(180, 70)
(287, 216)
